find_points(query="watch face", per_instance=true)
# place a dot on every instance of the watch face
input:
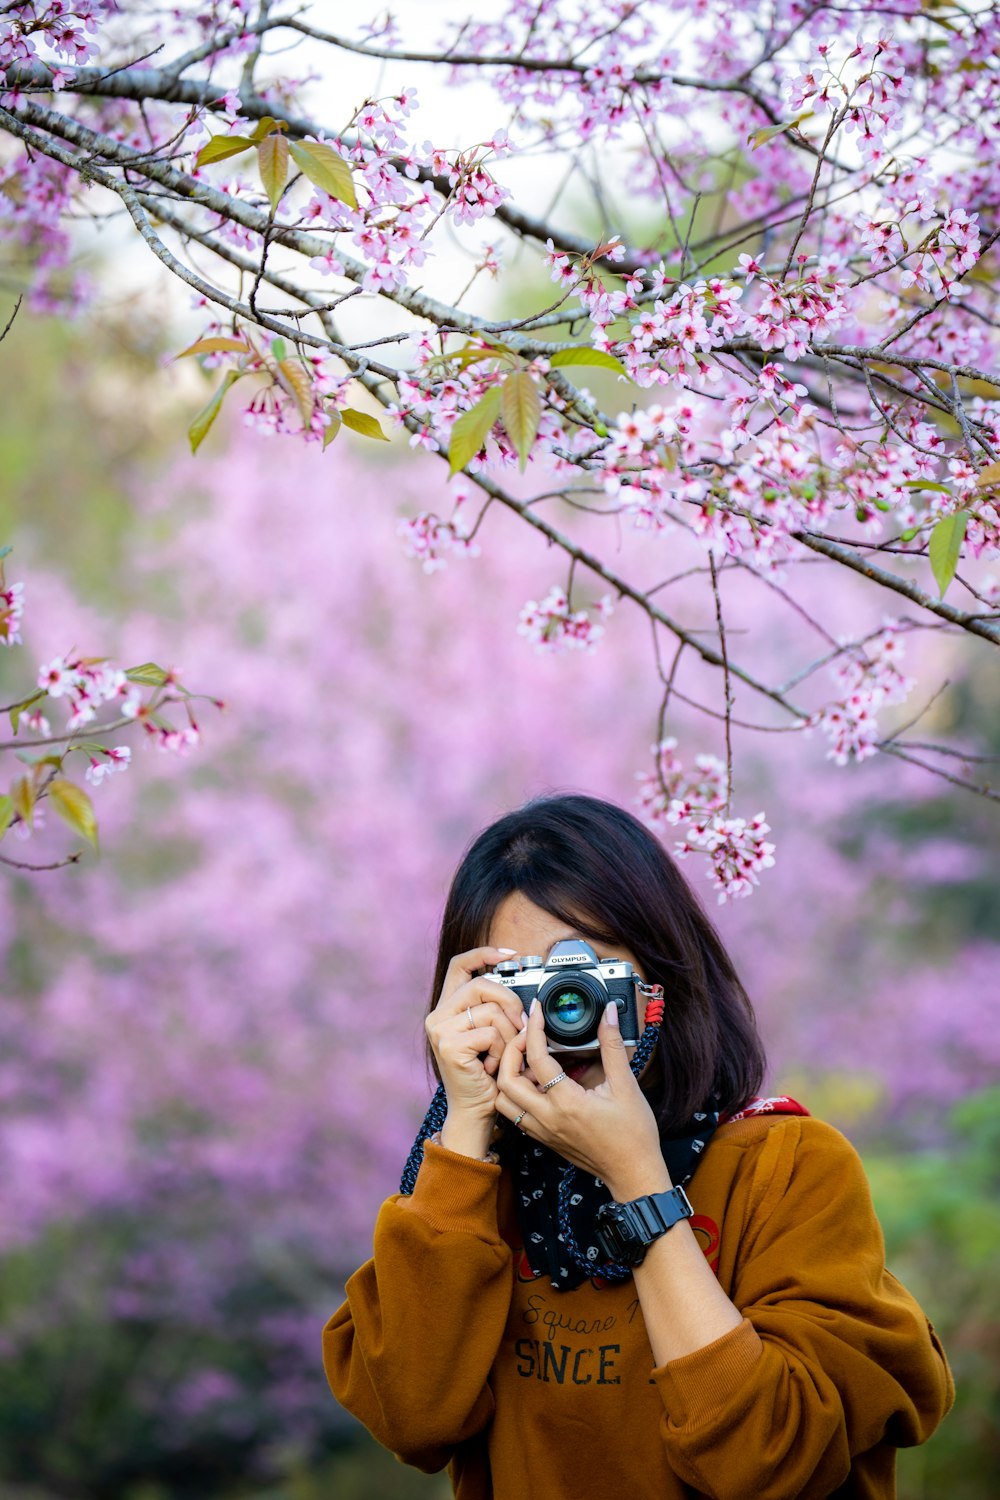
(617, 1234)
(626, 1230)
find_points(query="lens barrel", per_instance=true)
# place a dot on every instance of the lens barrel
(572, 1005)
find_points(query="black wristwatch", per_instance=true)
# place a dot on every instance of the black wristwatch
(625, 1231)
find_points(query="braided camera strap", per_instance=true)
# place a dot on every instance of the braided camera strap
(433, 1121)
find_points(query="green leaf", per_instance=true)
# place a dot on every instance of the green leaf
(335, 424)
(17, 709)
(23, 798)
(945, 546)
(222, 146)
(279, 349)
(6, 814)
(927, 484)
(587, 356)
(216, 344)
(272, 159)
(761, 137)
(360, 421)
(296, 380)
(521, 411)
(147, 674)
(74, 807)
(325, 169)
(472, 429)
(264, 126)
(988, 478)
(202, 423)
(5, 552)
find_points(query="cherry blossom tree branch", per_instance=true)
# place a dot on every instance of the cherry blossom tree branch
(975, 624)
(832, 399)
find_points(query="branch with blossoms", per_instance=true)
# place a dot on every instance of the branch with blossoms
(96, 702)
(789, 239)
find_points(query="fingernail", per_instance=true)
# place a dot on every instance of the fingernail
(534, 1002)
(522, 1022)
(506, 950)
(611, 1013)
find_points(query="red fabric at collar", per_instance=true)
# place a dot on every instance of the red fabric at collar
(776, 1104)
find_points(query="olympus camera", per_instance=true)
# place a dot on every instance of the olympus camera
(573, 986)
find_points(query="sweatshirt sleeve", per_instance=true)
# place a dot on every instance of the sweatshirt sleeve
(409, 1352)
(833, 1358)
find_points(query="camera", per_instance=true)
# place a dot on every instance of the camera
(573, 986)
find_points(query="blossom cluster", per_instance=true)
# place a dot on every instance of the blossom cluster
(86, 685)
(672, 789)
(599, 105)
(431, 541)
(68, 27)
(11, 612)
(865, 90)
(737, 851)
(639, 465)
(942, 256)
(551, 625)
(107, 762)
(736, 848)
(83, 687)
(870, 678)
(403, 191)
(36, 201)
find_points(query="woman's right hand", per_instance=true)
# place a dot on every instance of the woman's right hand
(468, 1030)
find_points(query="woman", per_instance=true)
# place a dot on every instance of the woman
(516, 1326)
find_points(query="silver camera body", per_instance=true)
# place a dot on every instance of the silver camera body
(573, 987)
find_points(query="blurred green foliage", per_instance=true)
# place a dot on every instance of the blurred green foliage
(100, 1403)
(85, 416)
(940, 1210)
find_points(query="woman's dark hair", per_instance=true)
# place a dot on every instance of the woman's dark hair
(595, 867)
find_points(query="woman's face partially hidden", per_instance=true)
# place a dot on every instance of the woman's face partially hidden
(527, 928)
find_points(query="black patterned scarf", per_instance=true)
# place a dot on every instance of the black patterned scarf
(557, 1203)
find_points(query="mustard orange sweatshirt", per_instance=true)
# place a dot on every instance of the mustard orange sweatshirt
(451, 1353)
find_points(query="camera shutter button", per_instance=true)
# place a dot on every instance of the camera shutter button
(532, 961)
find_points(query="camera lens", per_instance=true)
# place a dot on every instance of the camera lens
(572, 1006)
(568, 1008)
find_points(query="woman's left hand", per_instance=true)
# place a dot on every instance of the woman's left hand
(609, 1131)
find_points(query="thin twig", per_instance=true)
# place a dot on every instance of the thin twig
(727, 685)
(10, 321)
(59, 864)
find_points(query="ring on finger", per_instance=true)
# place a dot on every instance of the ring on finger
(468, 1012)
(517, 1122)
(552, 1082)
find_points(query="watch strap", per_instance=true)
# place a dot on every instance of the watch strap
(626, 1230)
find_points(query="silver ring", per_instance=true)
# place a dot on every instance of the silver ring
(552, 1082)
(468, 1012)
(517, 1122)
